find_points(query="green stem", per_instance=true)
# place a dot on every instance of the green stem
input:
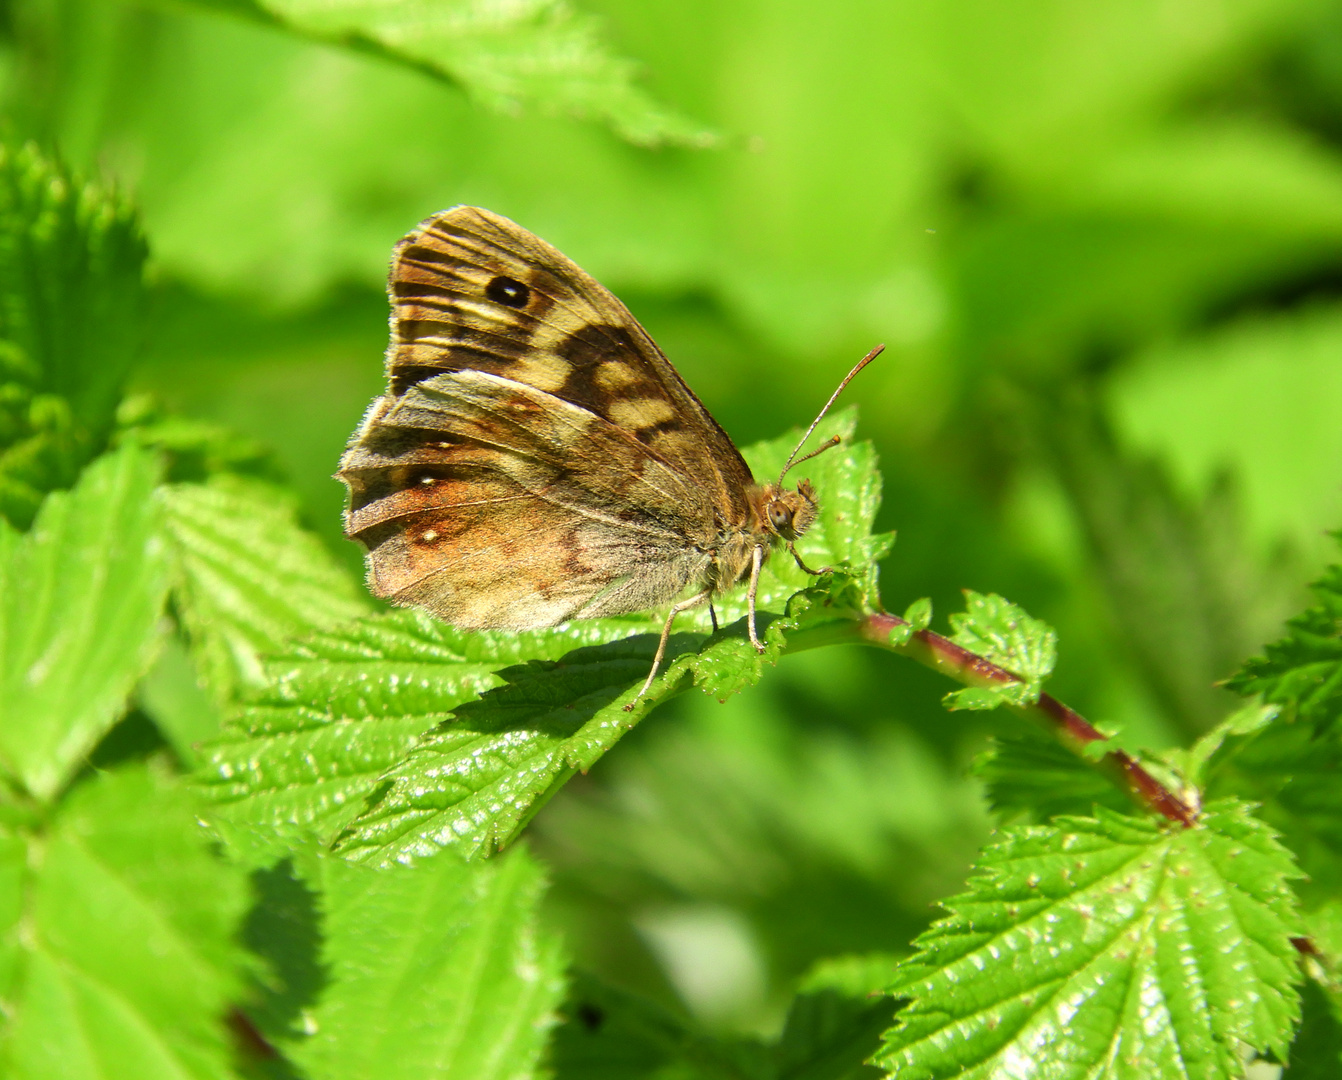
(1066, 724)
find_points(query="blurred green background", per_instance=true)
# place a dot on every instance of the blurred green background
(1102, 242)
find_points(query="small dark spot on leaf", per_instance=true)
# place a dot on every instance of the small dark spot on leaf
(590, 1016)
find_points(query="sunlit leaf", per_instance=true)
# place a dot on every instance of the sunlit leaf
(340, 709)
(80, 602)
(473, 782)
(435, 972)
(1000, 631)
(250, 579)
(126, 962)
(1108, 946)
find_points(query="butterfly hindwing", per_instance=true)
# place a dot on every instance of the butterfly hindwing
(494, 504)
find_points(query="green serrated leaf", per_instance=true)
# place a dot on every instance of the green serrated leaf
(1109, 947)
(1000, 631)
(1037, 778)
(126, 964)
(250, 579)
(382, 709)
(474, 782)
(435, 971)
(80, 603)
(539, 54)
(1303, 671)
(340, 709)
(1292, 770)
(60, 376)
(835, 1022)
(919, 614)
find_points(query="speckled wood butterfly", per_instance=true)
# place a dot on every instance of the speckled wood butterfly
(536, 458)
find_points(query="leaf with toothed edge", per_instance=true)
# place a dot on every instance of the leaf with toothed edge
(475, 781)
(1303, 671)
(998, 630)
(372, 732)
(1110, 947)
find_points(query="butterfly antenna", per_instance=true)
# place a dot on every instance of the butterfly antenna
(793, 459)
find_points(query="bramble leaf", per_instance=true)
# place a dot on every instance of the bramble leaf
(1031, 776)
(61, 372)
(835, 1022)
(126, 962)
(474, 782)
(249, 579)
(383, 709)
(81, 597)
(1292, 771)
(340, 709)
(1000, 631)
(1303, 671)
(1107, 946)
(434, 971)
(535, 54)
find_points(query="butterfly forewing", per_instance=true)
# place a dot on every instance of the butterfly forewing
(473, 291)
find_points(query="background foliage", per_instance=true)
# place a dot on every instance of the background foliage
(1103, 245)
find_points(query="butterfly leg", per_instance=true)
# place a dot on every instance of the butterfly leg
(676, 609)
(712, 614)
(756, 561)
(806, 569)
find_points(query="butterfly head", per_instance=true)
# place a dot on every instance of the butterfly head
(788, 514)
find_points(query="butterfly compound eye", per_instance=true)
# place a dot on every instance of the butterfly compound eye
(504, 290)
(780, 517)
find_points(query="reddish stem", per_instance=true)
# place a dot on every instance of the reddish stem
(1072, 729)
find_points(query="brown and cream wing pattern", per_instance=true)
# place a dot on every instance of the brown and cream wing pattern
(494, 504)
(471, 290)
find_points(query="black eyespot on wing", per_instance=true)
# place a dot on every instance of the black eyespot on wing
(505, 290)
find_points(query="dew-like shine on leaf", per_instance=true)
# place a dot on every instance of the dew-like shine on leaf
(1107, 947)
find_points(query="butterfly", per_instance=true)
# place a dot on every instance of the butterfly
(536, 458)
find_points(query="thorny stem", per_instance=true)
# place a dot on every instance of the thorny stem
(1069, 726)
